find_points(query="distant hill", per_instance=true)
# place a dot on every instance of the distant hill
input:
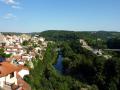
(64, 35)
(71, 35)
(59, 35)
(14, 33)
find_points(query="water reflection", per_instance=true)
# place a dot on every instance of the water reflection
(58, 64)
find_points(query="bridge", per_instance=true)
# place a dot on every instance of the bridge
(118, 50)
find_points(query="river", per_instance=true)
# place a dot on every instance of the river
(58, 65)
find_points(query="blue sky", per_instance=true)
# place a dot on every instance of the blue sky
(78, 15)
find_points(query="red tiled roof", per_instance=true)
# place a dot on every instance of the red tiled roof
(13, 47)
(22, 85)
(7, 68)
(17, 57)
(9, 59)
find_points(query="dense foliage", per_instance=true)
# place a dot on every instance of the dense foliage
(68, 35)
(94, 39)
(4, 55)
(45, 77)
(91, 69)
(114, 43)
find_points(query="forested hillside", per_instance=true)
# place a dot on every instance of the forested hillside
(96, 39)
(86, 67)
(68, 35)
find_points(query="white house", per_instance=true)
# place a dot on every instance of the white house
(42, 39)
(23, 72)
(7, 74)
(11, 74)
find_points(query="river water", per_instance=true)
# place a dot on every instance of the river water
(58, 65)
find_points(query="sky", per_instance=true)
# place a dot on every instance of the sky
(77, 15)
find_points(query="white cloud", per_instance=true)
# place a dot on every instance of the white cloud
(16, 7)
(13, 3)
(9, 16)
(10, 2)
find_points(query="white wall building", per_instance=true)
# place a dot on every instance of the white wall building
(7, 74)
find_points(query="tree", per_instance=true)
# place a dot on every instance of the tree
(25, 43)
(112, 86)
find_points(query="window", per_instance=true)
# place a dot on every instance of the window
(12, 75)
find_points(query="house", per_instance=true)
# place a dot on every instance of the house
(13, 74)
(24, 37)
(7, 74)
(14, 49)
(16, 59)
(2, 40)
(21, 84)
(38, 49)
(9, 40)
(22, 71)
(27, 57)
(42, 39)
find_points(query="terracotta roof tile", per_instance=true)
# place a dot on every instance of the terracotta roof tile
(7, 68)
(22, 85)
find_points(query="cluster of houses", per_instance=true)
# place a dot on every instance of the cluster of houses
(12, 68)
(40, 47)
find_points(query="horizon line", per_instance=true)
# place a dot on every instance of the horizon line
(61, 30)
